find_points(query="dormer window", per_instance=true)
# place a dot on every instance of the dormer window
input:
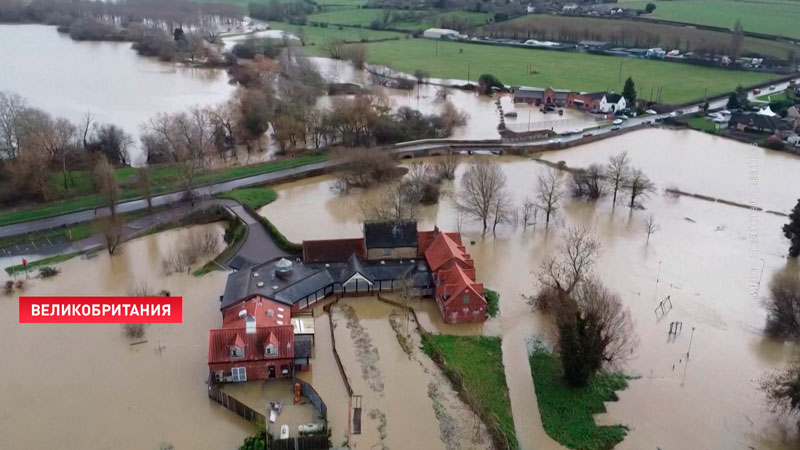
(236, 351)
(271, 350)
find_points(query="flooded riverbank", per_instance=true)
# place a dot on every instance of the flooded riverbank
(702, 258)
(70, 78)
(85, 386)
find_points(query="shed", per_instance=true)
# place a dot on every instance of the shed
(439, 33)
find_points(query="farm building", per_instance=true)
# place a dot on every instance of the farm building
(397, 255)
(257, 342)
(442, 33)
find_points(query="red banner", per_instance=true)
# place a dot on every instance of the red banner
(100, 309)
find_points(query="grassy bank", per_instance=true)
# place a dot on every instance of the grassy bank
(475, 366)
(703, 124)
(166, 184)
(35, 265)
(567, 413)
(770, 17)
(253, 198)
(565, 70)
(492, 302)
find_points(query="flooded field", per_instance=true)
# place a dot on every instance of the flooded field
(85, 387)
(702, 258)
(69, 78)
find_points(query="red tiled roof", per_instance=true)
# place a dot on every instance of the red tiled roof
(220, 340)
(258, 307)
(333, 250)
(425, 239)
(454, 281)
(445, 249)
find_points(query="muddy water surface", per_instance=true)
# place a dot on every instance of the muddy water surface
(69, 78)
(707, 257)
(85, 387)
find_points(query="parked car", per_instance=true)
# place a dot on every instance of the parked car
(554, 141)
(725, 112)
(587, 134)
(773, 87)
(615, 128)
(617, 121)
(651, 111)
(756, 91)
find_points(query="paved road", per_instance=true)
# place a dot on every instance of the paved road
(258, 244)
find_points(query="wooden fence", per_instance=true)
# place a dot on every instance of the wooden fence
(234, 405)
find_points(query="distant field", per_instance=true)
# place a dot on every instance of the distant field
(314, 36)
(364, 17)
(637, 34)
(581, 72)
(771, 17)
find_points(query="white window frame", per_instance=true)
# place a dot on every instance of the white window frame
(465, 299)
(274, 351)
(239, 374)
(233, 352)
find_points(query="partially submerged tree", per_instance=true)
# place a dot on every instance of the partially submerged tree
(481, 184)
(356, 54)
(595, 331)
(638, 186)
(792, 231)
(113, 232)
(650, 226)
(549, 193)
(588, 183)
(560, 274)
(616, 172)
(783, 306)
(782, 388)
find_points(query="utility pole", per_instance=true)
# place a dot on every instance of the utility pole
(658, 275)
(758, 289)
(467, 73)
(619, 78)
(690, 345)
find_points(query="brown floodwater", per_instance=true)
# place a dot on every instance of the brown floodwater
(85, 386)
(70, 78)
(707, 257)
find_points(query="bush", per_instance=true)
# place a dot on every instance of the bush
(47, 272)
(133, 330)
(488, 81)
(783, 307)
(492, 302)
(650, 7)
(430, 193)
(774, 143)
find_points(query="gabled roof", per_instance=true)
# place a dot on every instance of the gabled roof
(258, 307)
(253, 344)
(613, 98)
(425, 239)
(595, 95)
(355, 266)
(754, 120)
(390, 233)
(333, 250)
(445, 250)
(455, 281)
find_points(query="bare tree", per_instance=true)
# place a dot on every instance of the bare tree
(574, 263)
(144, 183)
(446, 166)
(588, 183)
(502, 210)
(113, 232)
(528, 213)
(783, 306)
(333, 48)
(183, 139)
(638, 185)
(611, 321)
(106, 182)
(451, 117)
(549, 193)
(356, 54)
(397, 201)
(12, 107)
(782, 388)
(363, 168)
(481, 184)
(616, 172)
(650, 226)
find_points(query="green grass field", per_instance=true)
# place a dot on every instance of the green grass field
(364, 17)
(567, 413)
(253, 198)
(562, 70)
(478, 361)
(609, 30)
(40, 211)
(771, 17)
(315, 36)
